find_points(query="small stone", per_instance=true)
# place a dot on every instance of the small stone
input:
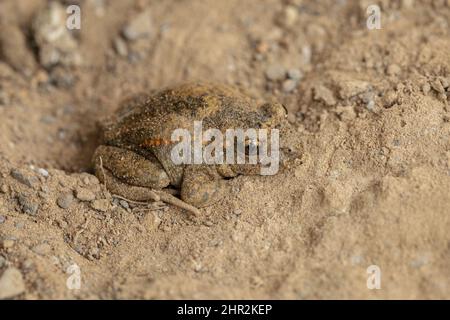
(121, 47)
(346, 113)
(20, 224)
(94, 180)
(370, 105)
(275, 72)
(65, 200)
(352, 88)
(437, 86)
(14, 49)
(24, 177)
(295, 74)
(290, 15)
(62, 77)
(43, 172)
(209, 223)
(2, 219)
(237, 212)
(11, 283)
(55, 42)
(4, 188)
(322, 93)
(4, 98)
(43, 195)
(151, 221)
(27, 205)
(84, 194)
(48, 119)
(393, 70)
(442, 97)
(100, 205)
(140, 27)
(8, 243)
(291, 118)
(2, 261)
(85, 180)
(289, 85)
(42, 249)
(124, 204)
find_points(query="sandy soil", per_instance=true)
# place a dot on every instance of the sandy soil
(369, 122)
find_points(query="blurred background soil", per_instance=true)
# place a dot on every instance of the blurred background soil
(369, 123)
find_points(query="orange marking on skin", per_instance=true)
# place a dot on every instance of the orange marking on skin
(156, 142)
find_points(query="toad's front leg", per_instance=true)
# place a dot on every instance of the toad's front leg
(202, 185)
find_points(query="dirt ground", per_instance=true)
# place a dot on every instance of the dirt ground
(369, 122)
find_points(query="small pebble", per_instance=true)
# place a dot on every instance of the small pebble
(437, 86)
(2, 219)
(393, 70)
(11, 283)
(100, 205)
(65, 200)
(370, 105)
(209, 223)
(275, 72)
(48, 119)
(121, 47)
(426, 88)
(27, 205)
(290, 15)
(86, 180)
(84, 194)
(42, 249)
(2, 261)
(289, 85)
(43, 172)
(24, 178)
(62, 78)
(139, 27)
(8, 243)
(324, 94)
(4, 188)
(20, 224)
(295, 74)
(124, 204)
(291, 118)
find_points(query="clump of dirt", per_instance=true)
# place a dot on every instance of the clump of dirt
(369, 119)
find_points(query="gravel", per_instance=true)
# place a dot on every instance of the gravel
(43, 172)
(4, 188)
(275, 72)
(65, 200)
(27, 205)
(11, 283)
(124, 204)
(100, 205)
(24, 178)
(140, 26)
(42, 249)
(121, 47)
(295, 74)
(56, 44)
(84, 194)
(289, 85)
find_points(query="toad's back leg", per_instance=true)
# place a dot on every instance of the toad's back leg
(133, 177)
(130, 167)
